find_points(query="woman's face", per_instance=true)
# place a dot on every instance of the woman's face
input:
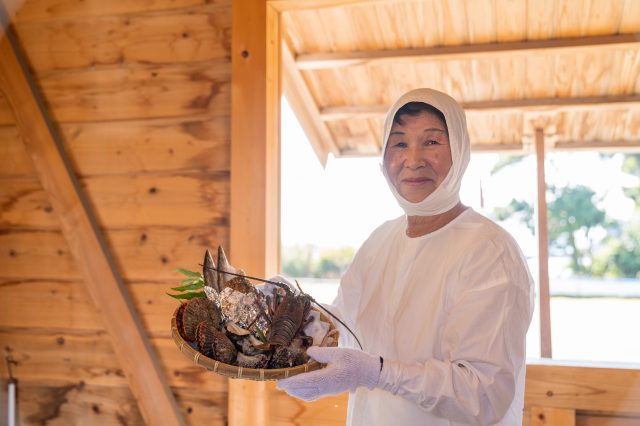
(418, 155)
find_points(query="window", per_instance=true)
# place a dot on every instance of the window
(594, 232)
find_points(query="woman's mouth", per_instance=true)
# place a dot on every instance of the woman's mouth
(415, 180)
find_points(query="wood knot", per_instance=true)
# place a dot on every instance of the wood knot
(60, 341)
(549, 393)
(153, 190)
(244, 53)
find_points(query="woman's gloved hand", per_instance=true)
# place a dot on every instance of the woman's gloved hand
(347, 370)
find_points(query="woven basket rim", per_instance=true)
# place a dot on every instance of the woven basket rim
(237, 372)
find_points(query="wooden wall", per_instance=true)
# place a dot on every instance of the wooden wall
(140, 93)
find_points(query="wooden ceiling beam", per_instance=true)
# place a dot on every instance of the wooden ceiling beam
(541, 104)
(598, 145)
(521, 148)
(81, 231)
(305, 108)
(313, 61)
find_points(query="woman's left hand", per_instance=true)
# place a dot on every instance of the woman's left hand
(347, 369)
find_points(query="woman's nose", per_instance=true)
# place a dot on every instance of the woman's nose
(414, 158)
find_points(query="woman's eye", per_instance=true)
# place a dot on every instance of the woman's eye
(399, 145)
(431, 142)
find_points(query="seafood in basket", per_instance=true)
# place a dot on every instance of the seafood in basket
(263, 326)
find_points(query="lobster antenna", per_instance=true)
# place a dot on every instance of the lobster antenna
(279, 284)
(332, 315)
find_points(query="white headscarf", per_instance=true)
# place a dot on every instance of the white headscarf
(447, 194)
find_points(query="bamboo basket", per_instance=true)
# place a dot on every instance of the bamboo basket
(237, 372)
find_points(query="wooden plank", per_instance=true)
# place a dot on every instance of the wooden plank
(66, 305)
(189, 144)
(12, 148)
(539, 71)
(526, 417)
(329, 411)
(45, 355)
(152, 253)
(200, 408)
(58, 304)
(583, 388)
(35, 254)
(542, 232)
(255, 192)
(314, 61)
(131, 147)
(61, 403)
(125, 201)
(141, 254)
(6, 115)
(544, 416)
(527, 104)
(292, 5)
(138, 93)
(630, 21)
(76, 403)
(147, 383)
(155, 307)
(511, 18)
(147, 200)
(589, 419)
(538, 16)
(43, 10)
(23, 203)
(598, 145)
(481, 21)
(145, 39)
(305, 108)
(183, 373)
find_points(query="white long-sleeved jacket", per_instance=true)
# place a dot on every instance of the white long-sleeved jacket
(449, 312)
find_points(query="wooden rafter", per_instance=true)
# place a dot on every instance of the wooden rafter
(303, 104)
(598, 145)
(516, 148)
(135, 354)
(322, 60)
(541, 104)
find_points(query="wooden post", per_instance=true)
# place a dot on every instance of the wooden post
(255, 169)
(133, 349)
(543, 250)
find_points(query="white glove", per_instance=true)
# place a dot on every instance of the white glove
(348, 369)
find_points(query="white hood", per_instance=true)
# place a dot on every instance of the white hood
(447, 195)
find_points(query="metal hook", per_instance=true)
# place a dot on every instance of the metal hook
(9, 360)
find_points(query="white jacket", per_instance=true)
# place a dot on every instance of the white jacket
(449, 312)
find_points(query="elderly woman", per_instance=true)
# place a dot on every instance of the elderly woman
(441, 298)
